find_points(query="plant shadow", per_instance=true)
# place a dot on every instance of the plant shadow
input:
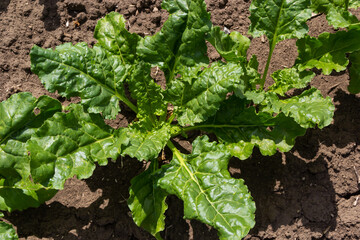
(50, 15)
(3, 5)
(289, 193)
(108, 217)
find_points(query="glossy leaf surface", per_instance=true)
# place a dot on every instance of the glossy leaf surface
(149, 95)
(232, 47)
(112, 35)
(89, 73)
(309, 109)
(18, 122)
(327, 52)
(241, 128)
(279, 19)
(146, 141)
(336, 12)
(41, 147)
(289, 78)
(210, 194)
(201, 98)
(147, 202)
(181, 41)
(7, 232)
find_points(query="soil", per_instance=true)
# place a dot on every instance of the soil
(311, 192)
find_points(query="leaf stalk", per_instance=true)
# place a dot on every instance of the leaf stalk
(263, 79)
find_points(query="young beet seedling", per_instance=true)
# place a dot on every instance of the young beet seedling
(43, 144)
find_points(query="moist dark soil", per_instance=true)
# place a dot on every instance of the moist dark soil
(312, 192)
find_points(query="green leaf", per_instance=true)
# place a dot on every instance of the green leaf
(340, 18)
(210, 195)
(354, 4)
(146, 141)
(289, 78)
(23, 195)
(149, 95)
(308, 109)
(81, 71)
(181, 41)
(328, 51)
(20, 116)
(7, 231)
(336, 12)
(69, 144)
(112, 35)
(201, 98)
(232, 47)
(354, 72)
(147, 201)
(241, 128)
(279, 19)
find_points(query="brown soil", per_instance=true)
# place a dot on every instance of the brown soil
(308, 193)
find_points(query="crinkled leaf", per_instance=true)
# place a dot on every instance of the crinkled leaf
(340, 18)
(289, 78)
(112, 35)
(328, 51)
(85, 72)
(253, 79)
(336, 12)
(69, 144)
(200, 99)
(181, 41)
(241, 128)
(20, 116)
(146, 141)
(7, 231)
(147, 202)
(354, 4)
(149, 96)
(308, 109)
(279, 19)
(22, 113)
(210, 195)
(23, 195)
(232, 47)
(354, 72)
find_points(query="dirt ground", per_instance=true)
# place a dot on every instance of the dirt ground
(308, 193)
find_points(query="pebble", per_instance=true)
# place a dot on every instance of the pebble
(81, 17)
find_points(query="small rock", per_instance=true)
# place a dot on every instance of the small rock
(263, 39)
(226, 30)
(59, 35)
(132, 9)
(38, 40)
(8, 41)
(94, 13)
(48, 43)
(110, 5)
(155, 9)
(229, 23)
(222, 3)
(81, 17)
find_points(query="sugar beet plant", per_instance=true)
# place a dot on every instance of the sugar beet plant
(43, 143)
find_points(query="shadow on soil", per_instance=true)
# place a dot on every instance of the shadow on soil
(50, 15)
(287, 190)
(101, 222)
(3, 5)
